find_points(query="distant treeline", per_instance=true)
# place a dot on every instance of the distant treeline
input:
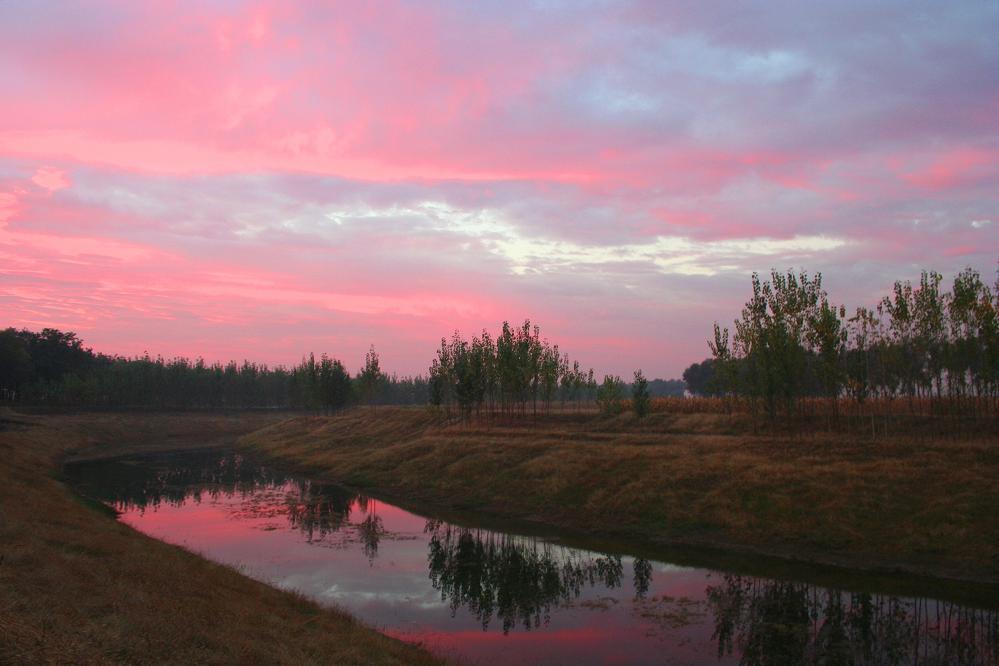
(53, 368)
(516, 373)
(921, 349)
(936, 350)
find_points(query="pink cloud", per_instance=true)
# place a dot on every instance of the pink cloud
(263, 179)
(956, 166)
(51, 179)
(960, 251)
(8, 206)
(128, 296)
(376, 94)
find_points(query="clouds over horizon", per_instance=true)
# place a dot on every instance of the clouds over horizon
(254, 180)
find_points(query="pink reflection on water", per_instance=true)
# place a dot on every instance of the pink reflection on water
(491, 597)
(392, 589)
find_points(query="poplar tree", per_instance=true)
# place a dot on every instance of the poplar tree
(370, 378)
(610, 393)
(640, 395)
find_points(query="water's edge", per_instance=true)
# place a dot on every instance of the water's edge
(828, 572)
(899, 581)
(298, 532)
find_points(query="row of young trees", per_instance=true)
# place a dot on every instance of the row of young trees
(326, 385)
(53, 368)
(938, 350)
(517, 372)
(520, 372)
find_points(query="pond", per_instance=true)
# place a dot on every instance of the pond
(490, 596)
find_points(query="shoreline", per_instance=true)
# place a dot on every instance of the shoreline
(894, 579)
(373, 451)
(889, 579)
(81, 587)
(304, 452)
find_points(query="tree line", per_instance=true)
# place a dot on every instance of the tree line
(53, 368)
(518, 373)
(920, 349)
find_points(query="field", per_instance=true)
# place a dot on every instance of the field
(78, 587)
(901, 503)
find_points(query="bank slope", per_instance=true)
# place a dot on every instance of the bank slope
(79, 587)
(921, 506)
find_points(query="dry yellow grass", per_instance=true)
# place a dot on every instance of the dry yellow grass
(78, 587)
(700, 479)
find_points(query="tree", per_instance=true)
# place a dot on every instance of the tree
(699, 377)
(771, 337)
(939, 349)
(900, 359)
(73, 375)
(55, 353)
(931, 331)
(15, 361)
(964, 353)
(667, 387)
(828, 337)
(335, 384)
(370, 377)
(610, 394)
(865, 334)
(640, 395)
(721, 372)
(518, 368)
(307, 388)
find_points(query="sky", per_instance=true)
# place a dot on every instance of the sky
(260, 180)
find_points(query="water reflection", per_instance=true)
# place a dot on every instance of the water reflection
(782, 622)
(321, 513)
(173, 479)
(424, 577)
(516, 579)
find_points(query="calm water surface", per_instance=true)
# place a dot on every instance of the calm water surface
(492, 597)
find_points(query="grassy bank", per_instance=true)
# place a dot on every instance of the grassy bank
(699, 479)
(78, 587)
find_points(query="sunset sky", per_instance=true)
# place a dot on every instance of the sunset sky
(255, 180)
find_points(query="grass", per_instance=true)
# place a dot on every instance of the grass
(79, 587)
(909, 504)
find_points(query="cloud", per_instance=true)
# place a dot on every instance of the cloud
(50, 179)
(263, 179)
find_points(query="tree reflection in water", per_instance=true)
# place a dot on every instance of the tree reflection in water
(522, 580)
(642, 577)
(172, 478)
(317, 511)
(371, 529)
(516, 579)
(778, 622)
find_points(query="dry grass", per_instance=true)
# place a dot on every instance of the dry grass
(78, 587)
(704, 479)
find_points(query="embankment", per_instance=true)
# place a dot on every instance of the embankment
(697, 479)
(78, 587)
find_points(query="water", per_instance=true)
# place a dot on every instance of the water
(488, 596)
